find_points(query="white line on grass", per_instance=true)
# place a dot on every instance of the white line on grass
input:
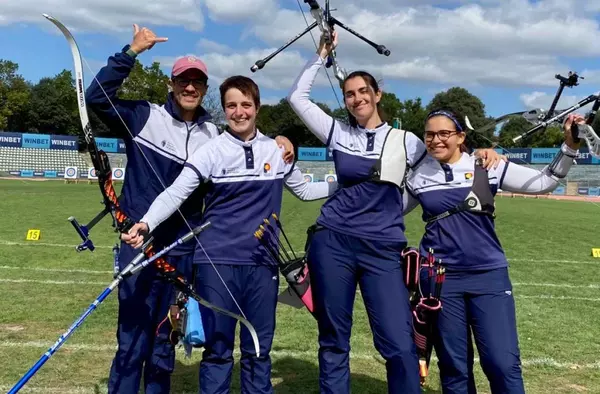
(282, 287)
(560, 285)
(66, 270)
(555, 261)
(543, 361)
(529, 260)
(559, 298)
(52, 282)
(50, 390)
(36, 243)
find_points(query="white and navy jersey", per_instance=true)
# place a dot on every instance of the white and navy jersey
(362, 208)
(244, 182)
(467, 241)
(165, 143)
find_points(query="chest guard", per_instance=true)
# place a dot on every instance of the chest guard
(392, 163)
(480, 199)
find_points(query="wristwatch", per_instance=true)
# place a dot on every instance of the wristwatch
(129, 51)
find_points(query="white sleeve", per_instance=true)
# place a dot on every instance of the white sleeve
(188, 180)
(317, 121)
(171, 198)
(520, 179)
(295, 183)
(415, 150)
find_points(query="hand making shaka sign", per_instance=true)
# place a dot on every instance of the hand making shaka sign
(144, 39)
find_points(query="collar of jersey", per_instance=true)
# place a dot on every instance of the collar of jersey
(464, 156)
(382, 126)
(236, 140)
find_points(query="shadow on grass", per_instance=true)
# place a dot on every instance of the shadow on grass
(289, 376)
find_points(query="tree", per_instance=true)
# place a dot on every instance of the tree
(553, 136)
(513, 127)
(280, 119)
(145, 83)
(340, 114)
(212, 104)
(14, 94)
(390, 106)
(413, 116)
(53, 106)
(459, 100)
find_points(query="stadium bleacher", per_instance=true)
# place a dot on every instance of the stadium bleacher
(14, 159)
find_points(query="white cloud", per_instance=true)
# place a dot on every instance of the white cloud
(543, 100)
(213, 46)
(508, 43)
(279, 73)
(271, 100)
(240, 10)
(512, 42)
(107, 16)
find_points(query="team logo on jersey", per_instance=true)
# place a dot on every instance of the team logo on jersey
(468, 175)
(167, 145)
(230, 170)
(267, 169)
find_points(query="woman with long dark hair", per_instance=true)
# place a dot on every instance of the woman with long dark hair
(361, 230)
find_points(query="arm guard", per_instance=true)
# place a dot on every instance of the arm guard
(559, 167)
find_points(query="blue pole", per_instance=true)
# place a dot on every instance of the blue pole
(131, 268)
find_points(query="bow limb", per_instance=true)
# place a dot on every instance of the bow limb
(123, 222)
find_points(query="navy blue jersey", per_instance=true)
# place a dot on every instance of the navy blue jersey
(158, 143)
(244, 182)
(362, 208)
(467, 241)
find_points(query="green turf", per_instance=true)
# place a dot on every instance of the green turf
(45, 287)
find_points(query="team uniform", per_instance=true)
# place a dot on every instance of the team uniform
(477, 292)
(244, 182)
(160, 136)
(360, 241)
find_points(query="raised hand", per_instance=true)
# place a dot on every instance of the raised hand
(144, 39)
(324, 48)
(572, 118)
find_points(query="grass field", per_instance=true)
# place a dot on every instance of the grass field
(46, 285)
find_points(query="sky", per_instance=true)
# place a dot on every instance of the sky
(506, 52)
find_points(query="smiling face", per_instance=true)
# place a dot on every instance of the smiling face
(240, 112)
(442, 139)
(361, 100)
(189, 89)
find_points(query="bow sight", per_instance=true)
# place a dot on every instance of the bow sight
(325, 21)
(542, 119)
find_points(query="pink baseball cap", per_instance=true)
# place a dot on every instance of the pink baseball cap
(186, 63)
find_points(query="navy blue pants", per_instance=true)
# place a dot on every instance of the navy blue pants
(480, 302)
(337, 263)
(255, 289)
(144, 301)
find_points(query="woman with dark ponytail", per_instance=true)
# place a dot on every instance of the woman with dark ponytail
(361, 230)
(457, 198)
